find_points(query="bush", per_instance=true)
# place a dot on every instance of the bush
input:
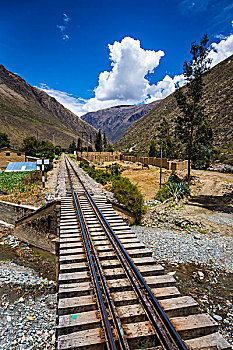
(101, 176)
(227, 170)
(174, 187)
(129, 195)
(126, 193)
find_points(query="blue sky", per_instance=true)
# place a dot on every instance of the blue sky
(63, 46)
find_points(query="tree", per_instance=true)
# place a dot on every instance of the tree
(105, 142)
(189, 123)
(72, 147)
(153, 152)
(110, 148)
(57, 150)
(202, 147)
(33, 147)
(45, 149)
(166, 138)
(99, 142)
(30, 146)
(90, 149)
(90, 139)
(4, 140)
(79, 145)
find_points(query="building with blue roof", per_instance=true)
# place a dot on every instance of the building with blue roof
(21, 166)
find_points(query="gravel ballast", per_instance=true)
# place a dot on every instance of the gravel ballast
(27, 309)
(182, 247)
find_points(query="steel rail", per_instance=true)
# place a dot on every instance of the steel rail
(127, 262)
(123, 343)
(107, 327)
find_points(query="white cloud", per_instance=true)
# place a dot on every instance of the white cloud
(221, 50)
(126, 82)
(217, 53)
(130, 64)
(165, 87)
(62, 28)
(72, 103)
(66, 18)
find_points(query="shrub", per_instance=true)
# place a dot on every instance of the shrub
(129, 195)
(126, 193)
(174, 187)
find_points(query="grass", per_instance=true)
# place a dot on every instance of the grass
(18, 186)
(147, 181)
(124, 190)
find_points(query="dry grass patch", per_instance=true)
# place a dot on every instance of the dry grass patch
(146, 180)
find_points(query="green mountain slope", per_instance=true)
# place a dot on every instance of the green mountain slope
(27, 111)
(218, 102)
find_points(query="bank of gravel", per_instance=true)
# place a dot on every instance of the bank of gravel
(180, 247)
(202, 265)
(27, 309)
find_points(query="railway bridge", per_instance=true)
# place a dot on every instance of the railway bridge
(111, 292)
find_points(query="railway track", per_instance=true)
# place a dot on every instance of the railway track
(111, 293)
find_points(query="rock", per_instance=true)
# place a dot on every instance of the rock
(217, 317)
(172, 273)
(20, 300)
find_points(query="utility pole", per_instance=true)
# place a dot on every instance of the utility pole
(161, 163)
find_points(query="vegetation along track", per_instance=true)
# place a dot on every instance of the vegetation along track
(111, 292)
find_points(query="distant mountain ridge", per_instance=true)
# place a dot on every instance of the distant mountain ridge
(27, 111)
(115, 121)
(218, 102)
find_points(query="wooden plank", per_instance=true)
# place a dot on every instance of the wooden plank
(68, 245)
(151, 270)
(74, 289)
(131, 313)
(211, 341)
(67, 277)
(80, 321)
(71, 251)
(194, 325)
(181, 306)
(72, 258)
(74, 267)
(160, 281)
(165, 292)
(76, 304)
(144, 260)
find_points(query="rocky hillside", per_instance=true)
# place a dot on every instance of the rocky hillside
(218, 102)
(27, 111)
(115, 121)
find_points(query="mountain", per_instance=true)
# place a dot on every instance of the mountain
(218, 102)
(115, 121)
(27, 111)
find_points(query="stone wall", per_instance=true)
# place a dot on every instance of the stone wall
(10, 212)
(100, 156)
(14, 156)
(40, 228)
(116, 156)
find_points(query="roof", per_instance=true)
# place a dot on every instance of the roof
(32, 157)
(12, 149)
(21, 166)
